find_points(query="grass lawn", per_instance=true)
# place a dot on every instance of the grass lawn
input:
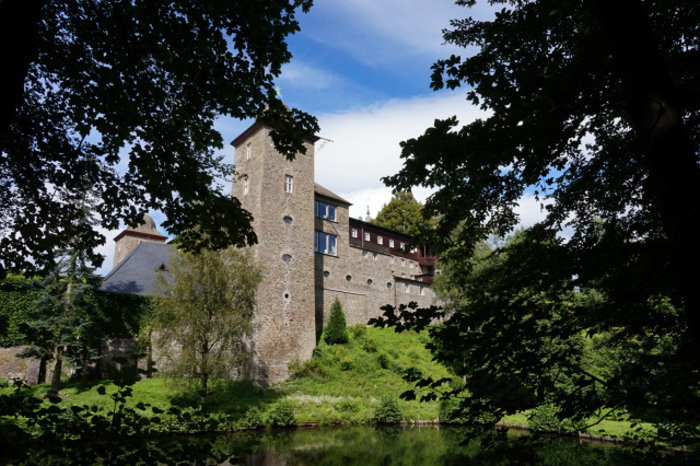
(341, 384)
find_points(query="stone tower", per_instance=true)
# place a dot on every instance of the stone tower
(280, 195)
(127, 240)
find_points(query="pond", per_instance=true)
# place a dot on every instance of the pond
(359, 445)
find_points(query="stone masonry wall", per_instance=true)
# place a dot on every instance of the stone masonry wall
(283, 222)
(362, 280)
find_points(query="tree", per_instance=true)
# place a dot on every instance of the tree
(66, 321)
(336, 332)
(403, 214)
(203, 316)
(123, 96)
(602, 126)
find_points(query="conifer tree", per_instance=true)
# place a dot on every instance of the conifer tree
(336, 332)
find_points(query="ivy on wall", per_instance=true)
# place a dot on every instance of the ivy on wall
(125, 313)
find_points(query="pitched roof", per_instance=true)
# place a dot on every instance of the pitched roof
(137, 272)
(321, 191)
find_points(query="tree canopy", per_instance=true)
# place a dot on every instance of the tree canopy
(593, 110)
(404, 214)
(123, 96)
(203, 318)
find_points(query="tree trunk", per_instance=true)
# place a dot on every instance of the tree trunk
(41, 376)
(657, 117)
(56, 376)
(204, 373)
(149, 355)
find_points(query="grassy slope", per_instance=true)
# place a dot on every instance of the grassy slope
(341, 384)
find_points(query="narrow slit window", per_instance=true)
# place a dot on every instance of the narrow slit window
(288, 183)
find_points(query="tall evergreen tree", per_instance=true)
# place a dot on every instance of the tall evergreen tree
(336, 332)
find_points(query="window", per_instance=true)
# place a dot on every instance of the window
(248, 151)
(245, 186)
(410, 264)
(365, 253)
(407, 288)
(366, 236)
(391, 260)
(325, 211)
(353, 232)
(414, 250)
(403, 262)
(391, 243)
(422, 290)
(324, 243)
(402, 245)
(380, 240)
(288, 183)
(374, 256)
(369, 281)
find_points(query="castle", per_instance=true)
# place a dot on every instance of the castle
(311, 252)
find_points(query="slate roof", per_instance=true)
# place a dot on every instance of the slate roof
(136, 273)
(320, 190)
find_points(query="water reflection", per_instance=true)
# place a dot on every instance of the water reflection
(359, 445)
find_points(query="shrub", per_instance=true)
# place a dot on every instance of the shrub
(545, 418)
(369, 345)
(451, 413)
(281, 415)
(387, 412)
(345, 364)
(357, 331)
(252, 419)
(336, 332)
(383, 360)
(310, 368)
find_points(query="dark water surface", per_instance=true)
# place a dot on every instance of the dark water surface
(359, 445)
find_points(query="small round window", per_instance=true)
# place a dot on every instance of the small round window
(388, 284)
(326, 273)
(348, 277)
(369, 281)
(287, 219)
(286, 257)
(286, 296)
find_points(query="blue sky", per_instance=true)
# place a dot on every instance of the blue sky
(362, 67)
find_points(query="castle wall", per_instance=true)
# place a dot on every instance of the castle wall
(284, 317)
(363, 280)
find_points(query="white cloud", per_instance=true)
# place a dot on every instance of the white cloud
(388, 31)
(365, 143)
(304, 75)
(530, 210)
